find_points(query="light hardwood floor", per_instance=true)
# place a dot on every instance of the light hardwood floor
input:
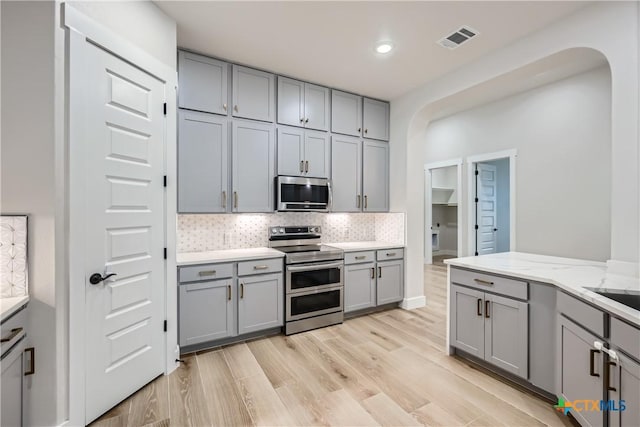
(387, 368)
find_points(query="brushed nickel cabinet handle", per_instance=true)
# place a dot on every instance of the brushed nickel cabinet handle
(12, 335)
(379, 272)
(224, 199)
(306, 166)
(206, 273)
(373, 272)
(260, 267)
(32, 364)
(479, 312)
(483, 282)
(229, 292)
(241, 290)
(301, 166)
(224, 106)
(487, 304)
(366, 201)
(358, 201)
(361, 257)
(235, 199)
(391, 254)
(235, 108)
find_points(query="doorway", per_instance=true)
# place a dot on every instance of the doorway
(491, 208)
(442, 237)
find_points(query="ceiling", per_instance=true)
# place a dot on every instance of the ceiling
(331, 43)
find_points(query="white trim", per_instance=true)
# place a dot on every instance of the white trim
(80, 30)
(413, 302)
(428, 252)
(471, 161)
(447, 348)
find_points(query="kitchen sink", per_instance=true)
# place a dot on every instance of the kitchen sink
(628, 298)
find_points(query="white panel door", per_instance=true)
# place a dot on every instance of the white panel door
(124, 213)
(486, 192)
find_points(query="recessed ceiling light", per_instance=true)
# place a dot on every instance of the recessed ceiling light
(384, 47)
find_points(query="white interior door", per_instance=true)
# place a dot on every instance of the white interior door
(124, 214)
(486, 189)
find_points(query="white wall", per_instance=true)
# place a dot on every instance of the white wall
(599, 27)
(562, 134)
(502, 195)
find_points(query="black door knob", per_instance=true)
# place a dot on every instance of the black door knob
(97, 278)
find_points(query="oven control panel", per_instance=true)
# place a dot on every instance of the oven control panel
(294, 231)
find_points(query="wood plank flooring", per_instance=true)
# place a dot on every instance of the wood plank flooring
(387, 369)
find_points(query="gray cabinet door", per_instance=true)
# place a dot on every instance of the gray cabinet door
(316, 107)
(253, 170)
(260, 303)
(203, 83)
(202, 162)
(290, 151)
(375, 119)
(317, 154)
(346, 173)
(390, 287)
(506, 334)
(206, 311)
(290, 102)
(359, 286)
(625, 379)
(467, 322)
(253, 94)
(542, 340)
(12, 388)
(346, 113)
(576, 380)
(375, 176)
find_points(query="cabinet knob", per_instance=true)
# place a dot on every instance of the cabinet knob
(224, 107)
(302, 120)
(235, 108)
(366, 130)
(306, 120)
(359, 129)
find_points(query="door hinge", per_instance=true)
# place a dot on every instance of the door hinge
(164, 108)
(477, 172)
(164, 182)
(165, 253)
(476, 226)
(165, 326)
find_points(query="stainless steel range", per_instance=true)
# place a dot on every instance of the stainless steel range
(314, 278)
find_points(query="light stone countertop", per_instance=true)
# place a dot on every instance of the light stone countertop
(10, 305)
(226, 255)
(575, 276)
(364, 246)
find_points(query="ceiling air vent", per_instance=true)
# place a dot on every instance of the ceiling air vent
(457, 38)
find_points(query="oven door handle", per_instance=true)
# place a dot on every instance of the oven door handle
(318, 266)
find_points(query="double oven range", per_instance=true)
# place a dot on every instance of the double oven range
(314, 278)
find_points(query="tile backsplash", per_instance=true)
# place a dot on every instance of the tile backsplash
(235, 231)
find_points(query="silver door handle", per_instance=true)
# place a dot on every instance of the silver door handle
(235, 108)
(366, 201)
(228, 292)
(235, 199)
(391, 254)
(224, 200)
(358, 201)
(206, 273)
(241, 290)
(301, 166)
(260, 267)
(330, 194)
(224, 106)
(316, 266)
(483, 282)
(361, 257)
(306, 166)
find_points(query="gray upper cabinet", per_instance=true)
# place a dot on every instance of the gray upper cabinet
(303, 104)
(375, 119)
(202, 162)
(359, 286)
(390, 287)
(260, 303)
(375, 176)
(506, 334)
(346, 173)
(206, 311)
(346, 113)
(253, 166)
(303, 153)
(202, 83)
(253, 94)
(467, 322)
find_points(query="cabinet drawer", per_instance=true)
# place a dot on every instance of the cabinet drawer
(625, 337)
(205, 272)
(260, 266)
(581, 313)
(386, 254)
(359, 257)
(490, 283)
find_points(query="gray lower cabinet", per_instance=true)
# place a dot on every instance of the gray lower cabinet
(346, 173)
(390, 282)
(624, 385)
(260, 303)
(346, 113)
(375, 119)
(206, 311)
(581, 374)
(253, 94)
(359, 286)
(253, 166)
(303, 153)
(203, 83)
(375, 176)
(203, 160)
(491, 327)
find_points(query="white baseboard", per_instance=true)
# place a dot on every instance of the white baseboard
(623, 268)
(414, 302)
(451, 252)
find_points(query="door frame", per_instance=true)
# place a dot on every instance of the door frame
(79, 30)
(471, 214)
(428, 212)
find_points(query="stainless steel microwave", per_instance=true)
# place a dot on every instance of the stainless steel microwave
(300, 194)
